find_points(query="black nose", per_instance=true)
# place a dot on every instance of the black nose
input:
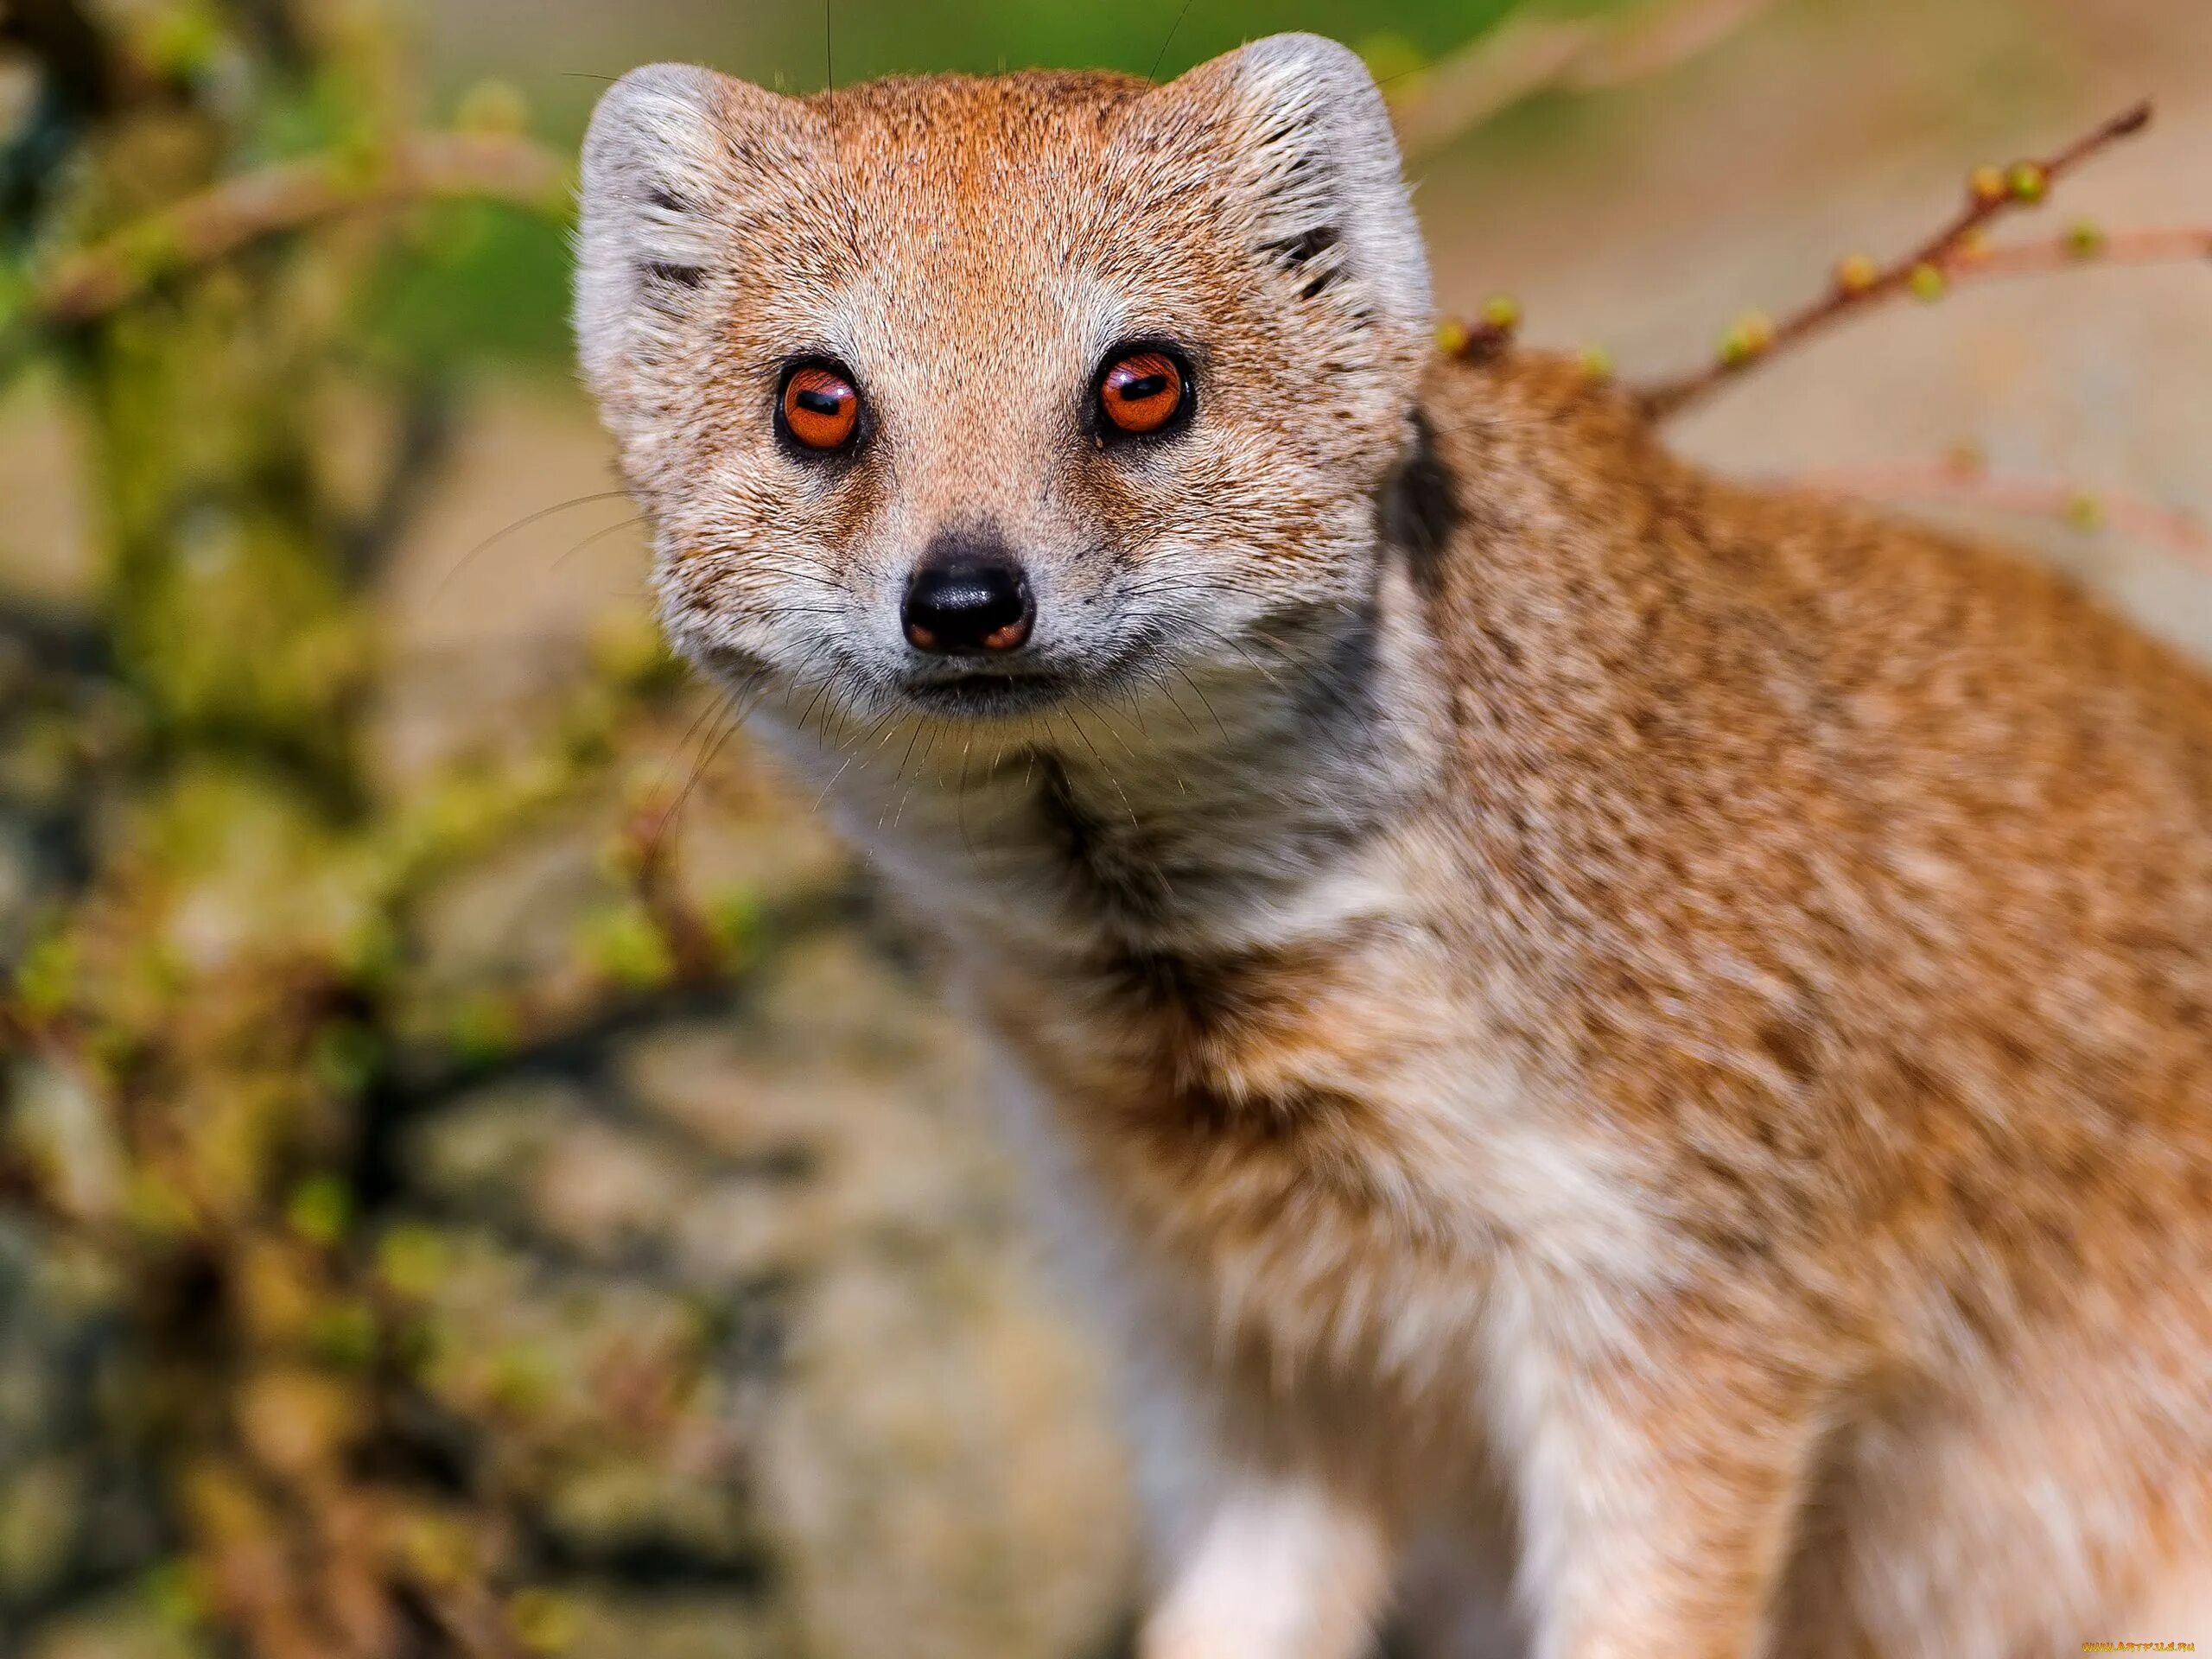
(968, 595)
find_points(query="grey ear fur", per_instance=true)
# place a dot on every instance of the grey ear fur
(669, 146)
(1319, 148)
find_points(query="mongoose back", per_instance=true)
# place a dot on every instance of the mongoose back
(1648, 1042)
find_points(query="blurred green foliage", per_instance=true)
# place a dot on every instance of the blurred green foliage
(477, 284)
(219, 1016)
(795, 46)
(491, 284)
(880, 37)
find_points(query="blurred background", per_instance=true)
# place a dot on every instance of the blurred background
(478, 1176)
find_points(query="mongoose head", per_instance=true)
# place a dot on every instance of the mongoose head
(974, 396)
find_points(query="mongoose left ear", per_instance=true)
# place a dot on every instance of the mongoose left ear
(1307, 129)
(678, 163)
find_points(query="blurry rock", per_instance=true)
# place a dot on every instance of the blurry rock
(515, 916)
(602, 1192)
(481, 1154)
(704, 1078)
(938, 1478)
(900, 1435)
(745, 1230)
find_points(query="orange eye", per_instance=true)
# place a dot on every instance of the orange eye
(1142, 392)
(820, 408)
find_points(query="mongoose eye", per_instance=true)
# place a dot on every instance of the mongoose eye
(820, 408)
(1142, 392)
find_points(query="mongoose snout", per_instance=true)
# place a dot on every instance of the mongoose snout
(968, 594)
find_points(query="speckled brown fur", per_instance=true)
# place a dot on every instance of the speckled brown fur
(1636, 1036)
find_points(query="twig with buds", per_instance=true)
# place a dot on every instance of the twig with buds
(290, 196)
(1926, 272)
(2084, 243)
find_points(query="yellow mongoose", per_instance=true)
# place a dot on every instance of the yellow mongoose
(1655, 1036)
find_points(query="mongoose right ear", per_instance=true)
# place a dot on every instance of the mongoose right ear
(1299, 122)
(672, 157)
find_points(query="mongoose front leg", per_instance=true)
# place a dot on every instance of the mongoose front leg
(1278, 1569)
(1663, 1485)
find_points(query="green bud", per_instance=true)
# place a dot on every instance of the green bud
(411, 1260)
(627, 946)
(544, 1621)
(484, 1030)
(320, 1209)
(173, 1591)
(1747, 338)
(1855, 273)
(2085, 511)
(344, 1335)
(734, 916)
(345, 1056)
(46, 978)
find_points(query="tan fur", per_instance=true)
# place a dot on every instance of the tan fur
(1575, 1012)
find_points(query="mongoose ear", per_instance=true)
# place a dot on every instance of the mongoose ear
(1307, 129)
(671, 155)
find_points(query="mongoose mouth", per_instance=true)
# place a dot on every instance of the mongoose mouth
(981, 695)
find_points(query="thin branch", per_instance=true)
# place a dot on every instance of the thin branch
(289, 196)
(2085, 245)
(1451, 97)
(1926, 271)
(1649, 42)
(1964, 480)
